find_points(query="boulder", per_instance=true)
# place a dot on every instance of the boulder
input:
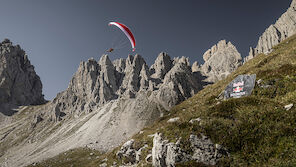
(205, 151)
(242, 85)
(127, 152)
(172, 120)
(195, 120)
(289, 106)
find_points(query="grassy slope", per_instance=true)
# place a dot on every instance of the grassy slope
(256, 130)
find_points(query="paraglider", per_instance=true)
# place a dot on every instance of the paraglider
(110, 50)
(127, 32)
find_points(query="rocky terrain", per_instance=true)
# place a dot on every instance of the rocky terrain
(96, 83)
(284, 27)
(19, 83)
(220, 61)
(165, 153)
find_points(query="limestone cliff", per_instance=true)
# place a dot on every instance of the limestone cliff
(19, 83)
(283, 28)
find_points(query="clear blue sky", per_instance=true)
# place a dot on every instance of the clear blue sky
(58, 34)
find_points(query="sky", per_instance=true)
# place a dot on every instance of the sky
(58, 34)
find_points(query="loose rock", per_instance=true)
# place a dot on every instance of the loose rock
(172, 120)
(288, 107)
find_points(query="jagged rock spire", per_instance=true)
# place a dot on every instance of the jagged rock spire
(221, 60)
(183, 59)
(161, 66)
(96, 83)
(108, 71)
(293, 4)
(145, 77)
(119, 65)
(195, 67)
(19, 83)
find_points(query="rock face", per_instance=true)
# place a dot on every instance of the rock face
(162, 65)
(19, 83)
(129, 84)
(168, 154)
(283, 28)
(96, 83)
(178, 84)
(221, 60)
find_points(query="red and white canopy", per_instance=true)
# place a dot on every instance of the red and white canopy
(127, 32)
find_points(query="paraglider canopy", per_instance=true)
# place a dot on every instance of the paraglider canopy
(126, 31)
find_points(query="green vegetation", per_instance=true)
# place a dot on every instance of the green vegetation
(256, 130)
(73, 158)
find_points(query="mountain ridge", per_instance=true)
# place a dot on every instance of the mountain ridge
(283, 28)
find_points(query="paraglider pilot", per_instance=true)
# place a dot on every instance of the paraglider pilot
(110, 50)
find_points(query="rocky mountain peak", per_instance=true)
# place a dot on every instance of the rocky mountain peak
(220, 46)
(178, 84)
(195, 67)
(119, 65)
(19, 83)
(145, 71)
(221, 60)
(145, 77)
(130, 84)
(6, 41)
(108, 72)
(182, 60)
(138, 62)
(104, 60)
(96, 83)
(162, 65)
(283, 28)
(129, 60)
(293, 4)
